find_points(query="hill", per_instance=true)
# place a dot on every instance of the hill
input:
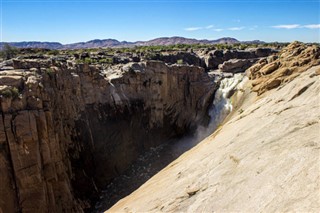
(97, 43)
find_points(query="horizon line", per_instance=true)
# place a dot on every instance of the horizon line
(162, 37)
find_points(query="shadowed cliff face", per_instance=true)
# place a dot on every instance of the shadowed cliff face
(67, 129)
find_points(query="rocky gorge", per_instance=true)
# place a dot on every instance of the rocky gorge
(264, 158)
(83, 127)
(69, 128)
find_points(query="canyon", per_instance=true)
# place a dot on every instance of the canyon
(264, 158)
(69, 128)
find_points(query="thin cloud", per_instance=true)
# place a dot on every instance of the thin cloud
(192, 28)
(286, 26)
(235, 28)
(253, 27)
(296, 26)
(198, 28)
(218, 30)
(312, 26)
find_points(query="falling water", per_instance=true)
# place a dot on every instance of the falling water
(222, 104)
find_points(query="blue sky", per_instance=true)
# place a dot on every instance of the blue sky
(73, 21)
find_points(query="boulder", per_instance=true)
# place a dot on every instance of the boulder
(236, 65)
(11, 80)
(269, 68)
(264, 52)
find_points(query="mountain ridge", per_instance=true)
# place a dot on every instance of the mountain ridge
(100, 43)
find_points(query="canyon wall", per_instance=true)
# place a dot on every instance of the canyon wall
(67, 128)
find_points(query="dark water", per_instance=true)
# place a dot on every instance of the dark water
(148, 164)
(143, 169)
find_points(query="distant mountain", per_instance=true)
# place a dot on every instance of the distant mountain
(182, 40)
(34, 44)
(97, 43)
(115, 43)
(254, 42)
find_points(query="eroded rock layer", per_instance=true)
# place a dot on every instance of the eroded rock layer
(276, 70)
(67, 129)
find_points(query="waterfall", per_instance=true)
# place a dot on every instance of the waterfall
(222, 104)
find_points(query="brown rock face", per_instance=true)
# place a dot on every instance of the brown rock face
(215, 58)
(236, 65)
(273, 71)
(67, 129)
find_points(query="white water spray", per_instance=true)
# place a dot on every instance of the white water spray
(221, 106)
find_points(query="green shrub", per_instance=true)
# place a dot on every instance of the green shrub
(6, 93)
(15, 92)
(106, 61)
(151, 56)
(11, 92)
(87, 60)
(79, 61)
(49, 71)
(180, 61)
(53, 52)
(8, 52)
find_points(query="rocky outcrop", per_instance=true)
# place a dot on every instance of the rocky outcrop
(181, 58)
(273, 71)
(67, 129)
(236, 65)
(227, 60)
(265, 158)
(213, 58)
